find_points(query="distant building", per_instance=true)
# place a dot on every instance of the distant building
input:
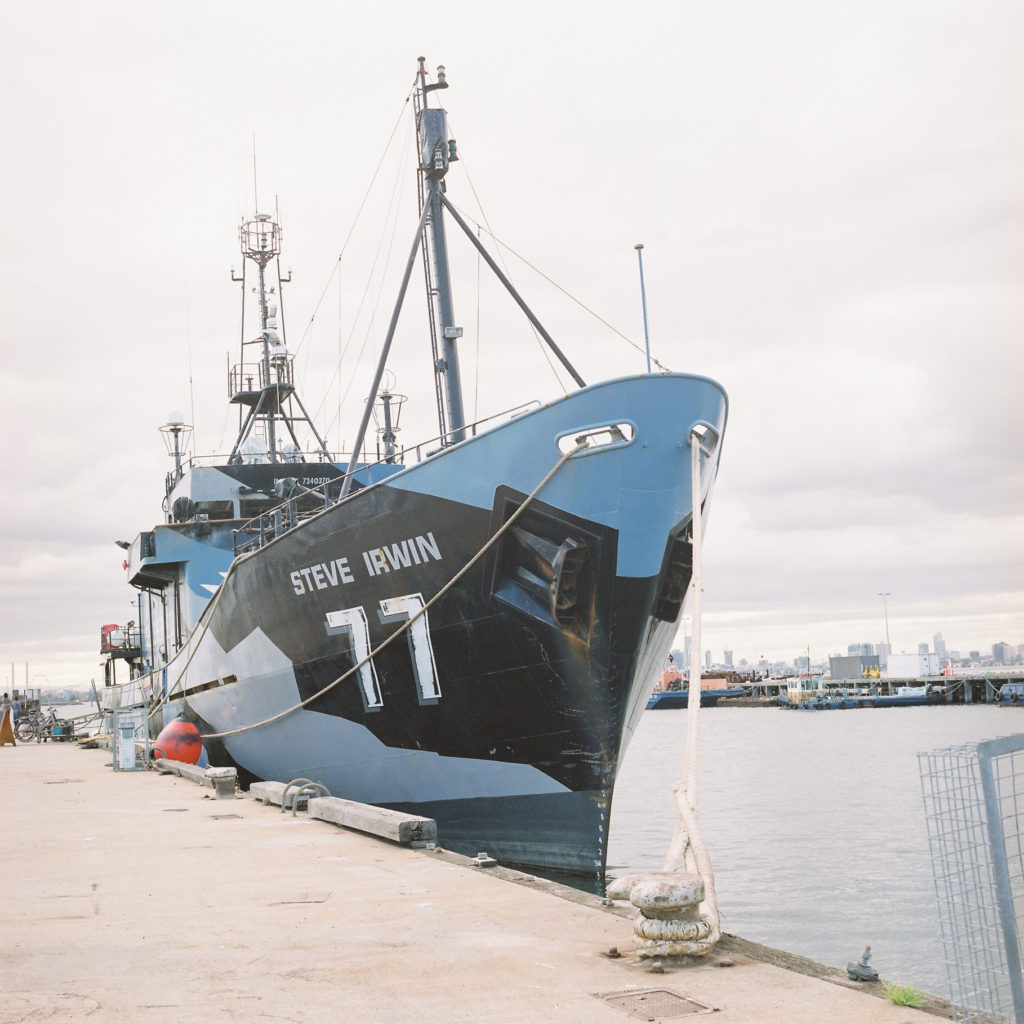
(1001, 653)
(913, 666)
(922, 648)
(802, 663)
(883, 650)
(865, 650)
(728, 659)
(939, 646)
(707, 660)
(852, 666)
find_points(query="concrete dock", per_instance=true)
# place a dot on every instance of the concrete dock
(135, 896)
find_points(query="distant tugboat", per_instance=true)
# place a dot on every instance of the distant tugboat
(811, 693)
(471, 636)
(672, 691)
(1011, 694)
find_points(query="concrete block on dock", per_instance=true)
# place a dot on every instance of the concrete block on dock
(267, 792)
(379, 821)
(191, 772)
(220, 780)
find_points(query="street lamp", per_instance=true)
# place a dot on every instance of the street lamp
(885, 609)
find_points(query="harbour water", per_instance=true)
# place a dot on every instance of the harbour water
(814, 822)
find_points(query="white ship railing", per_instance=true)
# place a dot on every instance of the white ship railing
(276, 522)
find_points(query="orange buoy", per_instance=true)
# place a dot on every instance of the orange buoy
(179, 741)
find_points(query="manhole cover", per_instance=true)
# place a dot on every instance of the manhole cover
(651, 1003)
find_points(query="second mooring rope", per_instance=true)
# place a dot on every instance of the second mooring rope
(507, 525)
(678, 906)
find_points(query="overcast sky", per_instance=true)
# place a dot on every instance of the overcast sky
(830, 198)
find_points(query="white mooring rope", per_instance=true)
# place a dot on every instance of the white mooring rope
(670, 921)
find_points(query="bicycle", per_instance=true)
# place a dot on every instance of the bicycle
(33, 726)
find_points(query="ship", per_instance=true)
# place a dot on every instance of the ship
(466, 629)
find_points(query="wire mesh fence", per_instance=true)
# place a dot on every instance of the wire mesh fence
(974, 807)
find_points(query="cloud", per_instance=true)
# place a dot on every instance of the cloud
(830, 203)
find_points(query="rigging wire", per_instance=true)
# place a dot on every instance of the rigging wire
(392, 216)
(505, 246)
(355, 220)
(543, 348)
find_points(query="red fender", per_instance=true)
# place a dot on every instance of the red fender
(179, 741)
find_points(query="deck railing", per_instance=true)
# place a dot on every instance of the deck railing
(253, 534)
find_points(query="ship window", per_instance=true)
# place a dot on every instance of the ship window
(253, 507)
(310, 503)
(216, 509)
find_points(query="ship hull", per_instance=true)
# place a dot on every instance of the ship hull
(432, 645)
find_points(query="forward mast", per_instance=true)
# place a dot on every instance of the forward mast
(264, 389)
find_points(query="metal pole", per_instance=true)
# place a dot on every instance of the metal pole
(885, 609)
(643, 299)
(452, 379)
(361, 433)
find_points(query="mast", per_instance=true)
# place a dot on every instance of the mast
(267, 387)
(437, 151)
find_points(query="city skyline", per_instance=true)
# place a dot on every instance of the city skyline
(739, 659)
(731, 658)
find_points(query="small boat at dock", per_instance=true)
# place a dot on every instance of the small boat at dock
(810, 693)
(672, 690)
(813, 693)
(911, 696)
(1011, 694)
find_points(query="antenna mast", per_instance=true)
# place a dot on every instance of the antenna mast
(267, 388)
(436, 152)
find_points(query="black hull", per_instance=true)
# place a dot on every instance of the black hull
(504, 711)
